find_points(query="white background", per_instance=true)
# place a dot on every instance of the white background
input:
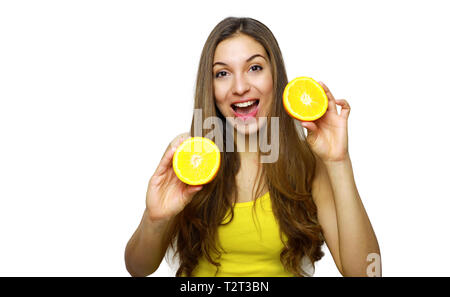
(92, 92)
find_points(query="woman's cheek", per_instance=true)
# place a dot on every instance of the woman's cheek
(219, 93)
(266, 84)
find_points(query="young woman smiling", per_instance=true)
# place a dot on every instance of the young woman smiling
(254, 218)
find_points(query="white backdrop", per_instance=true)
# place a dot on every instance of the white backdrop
(93, 91)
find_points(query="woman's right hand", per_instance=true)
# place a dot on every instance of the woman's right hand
(167, 195)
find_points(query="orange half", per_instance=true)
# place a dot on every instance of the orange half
(305, 99)
(196, 161)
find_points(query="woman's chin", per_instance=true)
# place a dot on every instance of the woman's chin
(248, 126)
(246, 129)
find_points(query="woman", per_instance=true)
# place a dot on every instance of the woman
(305, 197)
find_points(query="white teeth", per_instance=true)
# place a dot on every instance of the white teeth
(244, 104)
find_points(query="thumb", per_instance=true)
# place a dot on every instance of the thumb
(190, 192)
(312, 132)
(194, 189)
(310, 126)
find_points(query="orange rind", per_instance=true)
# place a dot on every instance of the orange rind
(304, 99)
(196, 161)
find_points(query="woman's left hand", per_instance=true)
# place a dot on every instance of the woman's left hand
(328, 135)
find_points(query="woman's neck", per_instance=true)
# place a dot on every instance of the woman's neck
(246, 145)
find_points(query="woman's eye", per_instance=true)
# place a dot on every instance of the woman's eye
(256, 67)
(224, 73)
(220, 72)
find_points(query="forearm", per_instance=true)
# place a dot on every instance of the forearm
(146, 249)
(356, 236)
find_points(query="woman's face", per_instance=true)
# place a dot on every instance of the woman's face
(242, 82)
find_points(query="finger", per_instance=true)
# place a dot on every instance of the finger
(310, 126)
(190, 192)
(312, 132)
(345, 107)
(179, 140)
(331, 100)
(166, 161)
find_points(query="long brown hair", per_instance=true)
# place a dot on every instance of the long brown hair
(289, 179)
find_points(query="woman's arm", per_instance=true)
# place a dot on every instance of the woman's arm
(346, 226)
(147, 247)
(166, 197)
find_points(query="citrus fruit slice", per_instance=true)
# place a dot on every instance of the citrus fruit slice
(304, 99)
(196, 161)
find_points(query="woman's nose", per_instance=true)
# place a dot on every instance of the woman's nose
(240, 85)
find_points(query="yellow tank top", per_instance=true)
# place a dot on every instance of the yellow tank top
(251, 242)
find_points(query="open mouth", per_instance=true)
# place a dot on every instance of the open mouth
(245, 109)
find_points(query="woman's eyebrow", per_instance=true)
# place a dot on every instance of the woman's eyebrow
(248, 60)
